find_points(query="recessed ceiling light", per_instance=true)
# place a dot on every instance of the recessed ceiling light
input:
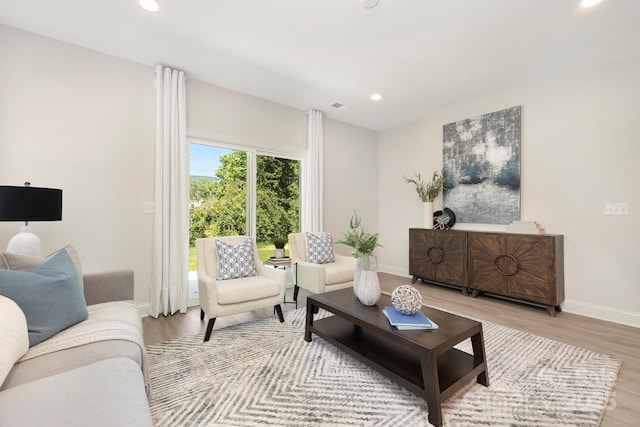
(150, 5)
(368, 4)
(376, 97)
(589, 3)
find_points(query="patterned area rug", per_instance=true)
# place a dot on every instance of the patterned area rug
(263, 372)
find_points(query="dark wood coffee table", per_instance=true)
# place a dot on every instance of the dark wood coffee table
(423, 362)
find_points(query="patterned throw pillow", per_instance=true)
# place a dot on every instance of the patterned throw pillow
(235, 261)
(319, 248)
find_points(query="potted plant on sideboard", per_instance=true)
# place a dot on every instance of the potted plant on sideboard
(427, 192)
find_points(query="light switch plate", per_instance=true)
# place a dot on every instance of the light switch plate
(616, 209)
(149, 207)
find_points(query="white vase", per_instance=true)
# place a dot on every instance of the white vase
(366, 285)
(279, 252)
(427, 220)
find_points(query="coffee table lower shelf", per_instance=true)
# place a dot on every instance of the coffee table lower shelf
(455, 367)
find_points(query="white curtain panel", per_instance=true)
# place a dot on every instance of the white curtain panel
(313, 195)
(169, 275)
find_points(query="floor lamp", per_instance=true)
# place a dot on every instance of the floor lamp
(29, 204)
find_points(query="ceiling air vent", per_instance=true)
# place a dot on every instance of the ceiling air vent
(337, 105)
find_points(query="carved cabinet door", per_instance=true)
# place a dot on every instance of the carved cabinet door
(532, 276)
(438, 255)
(488, 263)
(515, 265)
(420, 243)
(450, 257)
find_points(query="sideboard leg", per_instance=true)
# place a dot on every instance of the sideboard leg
(552, 310)
(414, 279)
(474, 293)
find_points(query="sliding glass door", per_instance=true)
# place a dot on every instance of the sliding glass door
(239, 191)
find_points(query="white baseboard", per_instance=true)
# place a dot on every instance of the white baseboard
(601, 312)
(145, 308)
(393, 270)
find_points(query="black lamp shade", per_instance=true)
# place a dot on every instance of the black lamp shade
(30, 204)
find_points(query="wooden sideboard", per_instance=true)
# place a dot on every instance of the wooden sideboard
(524, 267)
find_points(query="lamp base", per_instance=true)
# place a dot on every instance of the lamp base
(25, 243)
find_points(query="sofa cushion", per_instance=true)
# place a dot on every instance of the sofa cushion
(50, 296)
(319, 248)
(70, 358)
(106, 393)
(235, 261)
(14, 335)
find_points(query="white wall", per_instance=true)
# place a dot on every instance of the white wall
(83, 121)
(351, 178)
(220, 114)
(580, 149)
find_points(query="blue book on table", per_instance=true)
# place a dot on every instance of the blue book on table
(408, 321)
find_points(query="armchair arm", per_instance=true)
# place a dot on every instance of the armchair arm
(272, 273)
(310, 276)
(345, 259)
(207, 291)
(108, 286)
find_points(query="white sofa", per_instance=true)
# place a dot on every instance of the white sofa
(78, 382)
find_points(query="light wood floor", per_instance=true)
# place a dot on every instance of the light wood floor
(609, 338)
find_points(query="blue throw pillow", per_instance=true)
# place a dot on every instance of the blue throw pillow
(50, 295)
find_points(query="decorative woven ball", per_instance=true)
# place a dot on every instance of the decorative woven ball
(406, 299)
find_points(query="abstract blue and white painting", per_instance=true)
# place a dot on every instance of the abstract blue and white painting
(481, 158)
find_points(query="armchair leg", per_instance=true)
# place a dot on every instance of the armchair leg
(296, 289)
(279, 311)
(207, 334)
(201, 314)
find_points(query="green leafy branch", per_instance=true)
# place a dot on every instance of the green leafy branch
(363, 243)
(427, 192)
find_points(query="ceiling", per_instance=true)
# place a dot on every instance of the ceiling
(421, 55)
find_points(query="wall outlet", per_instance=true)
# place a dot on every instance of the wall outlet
(149, 208)
(616, 209)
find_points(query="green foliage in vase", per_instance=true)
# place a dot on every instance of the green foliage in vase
(427, 192)
(362, 242)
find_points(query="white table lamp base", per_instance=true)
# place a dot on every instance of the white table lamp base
(25, 243)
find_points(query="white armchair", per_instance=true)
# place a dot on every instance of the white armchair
(319, 278)
(233, 296)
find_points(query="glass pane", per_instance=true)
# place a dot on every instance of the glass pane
(277, 201)
(217, 205)
(218, 192)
